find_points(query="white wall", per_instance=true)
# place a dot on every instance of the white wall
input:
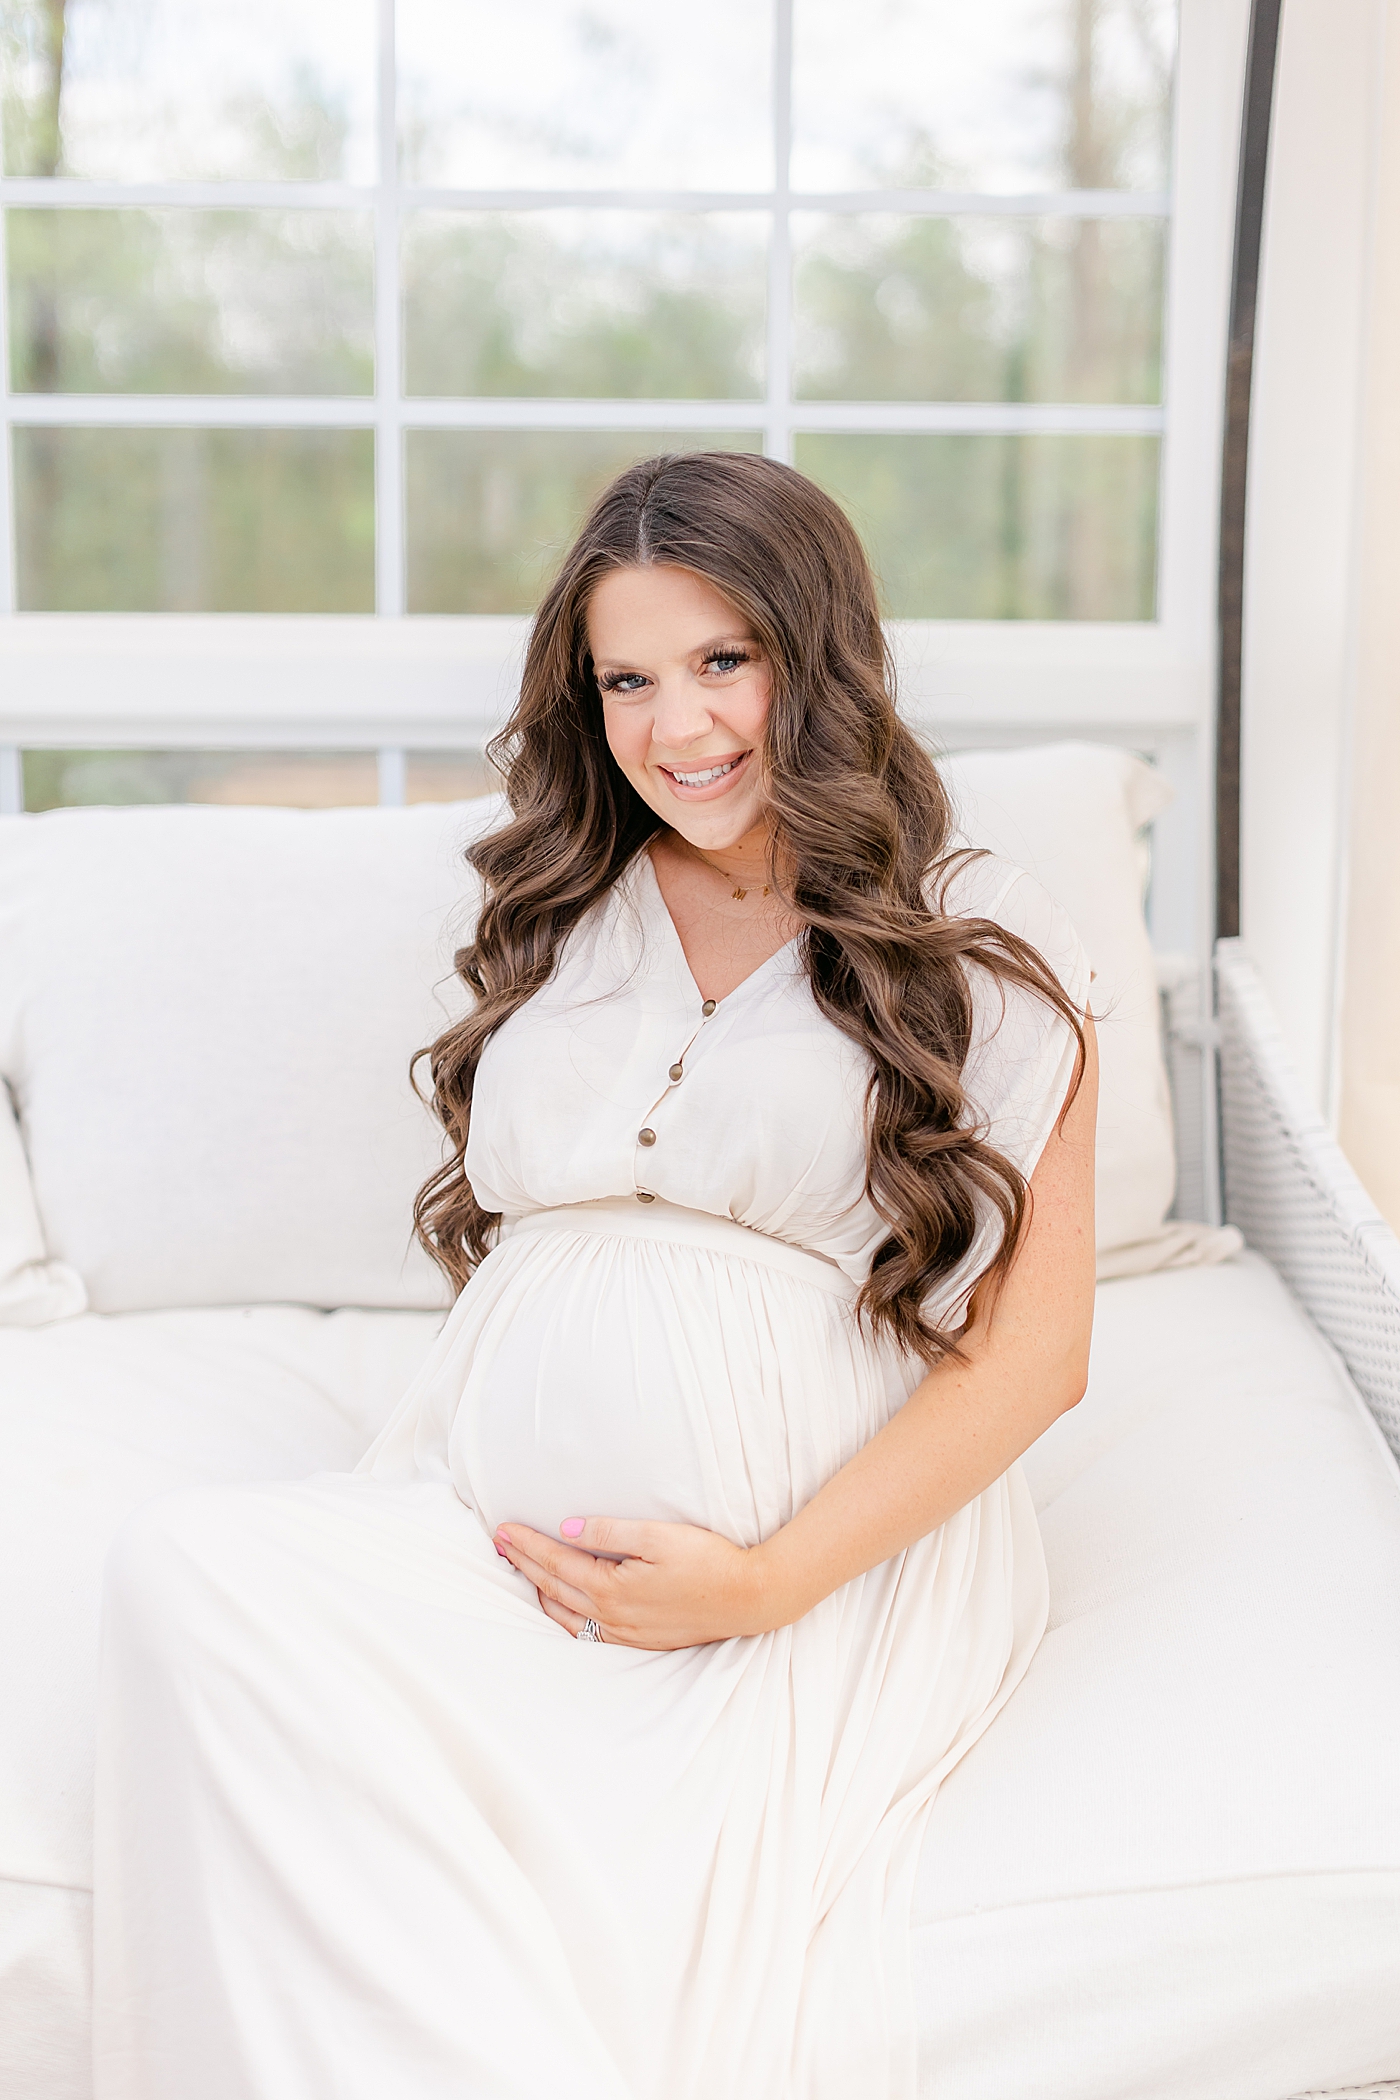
(1306, 444)
(1369, 1036)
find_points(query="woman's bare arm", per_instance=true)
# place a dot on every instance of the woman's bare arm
(1026, 1360)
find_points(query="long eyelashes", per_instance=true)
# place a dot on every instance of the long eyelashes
(615, 681)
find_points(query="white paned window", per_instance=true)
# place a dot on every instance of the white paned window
(323, 322)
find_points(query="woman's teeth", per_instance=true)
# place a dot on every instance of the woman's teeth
(701, 780)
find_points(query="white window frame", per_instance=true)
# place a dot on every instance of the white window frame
(396, 684)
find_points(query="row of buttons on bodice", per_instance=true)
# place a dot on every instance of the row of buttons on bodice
(646, 1136)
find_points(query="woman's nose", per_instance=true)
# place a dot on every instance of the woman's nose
(680, 715)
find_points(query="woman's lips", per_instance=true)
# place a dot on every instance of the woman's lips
(707, 778)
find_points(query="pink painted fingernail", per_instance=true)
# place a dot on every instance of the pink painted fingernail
(572, 1526)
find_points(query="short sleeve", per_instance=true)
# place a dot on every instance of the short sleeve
(1023, 1053)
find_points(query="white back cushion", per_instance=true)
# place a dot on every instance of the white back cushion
(206, 1020)
(1074, 814)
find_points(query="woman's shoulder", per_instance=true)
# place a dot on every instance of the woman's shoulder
(968, 883)
(1022, 1053)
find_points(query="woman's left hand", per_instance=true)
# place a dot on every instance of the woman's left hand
(677, 1587)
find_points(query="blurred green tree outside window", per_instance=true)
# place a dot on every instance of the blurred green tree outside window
(191, 302)
(996, 528)
(613, 305)
(195, 520)
(485, 506)
(978, 309)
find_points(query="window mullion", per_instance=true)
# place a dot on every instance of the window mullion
(989, 204)
(194, 411)
(553, 412)
(78, 193)
(388, 383)
(778, 434)
(73, 193)
(8, 572)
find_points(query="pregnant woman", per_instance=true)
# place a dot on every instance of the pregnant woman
(583, 1739)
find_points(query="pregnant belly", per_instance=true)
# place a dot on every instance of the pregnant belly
(637, 1377)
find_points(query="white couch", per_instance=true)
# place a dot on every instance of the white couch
(1172, 1868)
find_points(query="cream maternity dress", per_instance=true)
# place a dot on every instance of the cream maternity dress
(370, 1826)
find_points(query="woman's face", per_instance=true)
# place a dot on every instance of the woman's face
(685, 698)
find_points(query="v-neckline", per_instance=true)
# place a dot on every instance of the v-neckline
(674, 931)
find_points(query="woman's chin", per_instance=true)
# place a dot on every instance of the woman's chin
(715, 827)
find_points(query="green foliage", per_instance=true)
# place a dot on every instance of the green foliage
(491, 512)
(1000, 528)
(195, 520)
(191, 302)
(582, 305)
(293, 779)
(202, 126)
(978, 309)
(288, 779)
(31, 81)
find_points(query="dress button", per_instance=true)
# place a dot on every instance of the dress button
(646, 1137)
(645, 1196)
(708, 1008)
(676, 1072)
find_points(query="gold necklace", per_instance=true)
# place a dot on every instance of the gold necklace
(736, 891)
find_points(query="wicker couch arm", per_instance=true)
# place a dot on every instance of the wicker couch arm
(1291, 1192)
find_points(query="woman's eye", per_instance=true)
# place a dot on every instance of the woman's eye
(624, 682)
(725, 664)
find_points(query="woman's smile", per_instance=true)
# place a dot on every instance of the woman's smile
(707, 779)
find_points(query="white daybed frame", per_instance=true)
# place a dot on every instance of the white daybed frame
(1289, 1188)
(1253, 1149)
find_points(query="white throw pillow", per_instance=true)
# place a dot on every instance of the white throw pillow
(1074, 815)
(206, 1021)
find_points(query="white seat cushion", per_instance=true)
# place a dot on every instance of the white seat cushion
(1171, 1869)
(96, 1416)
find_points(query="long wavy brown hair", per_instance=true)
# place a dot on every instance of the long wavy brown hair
(861, 832)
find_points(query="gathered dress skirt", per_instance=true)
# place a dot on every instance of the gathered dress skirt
(370, 1824)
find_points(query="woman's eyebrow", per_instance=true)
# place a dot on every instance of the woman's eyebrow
(734, 637)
